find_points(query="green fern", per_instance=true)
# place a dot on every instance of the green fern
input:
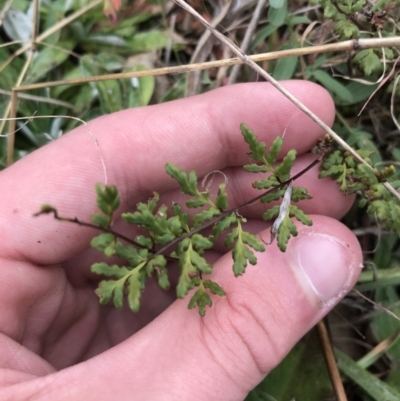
(172, 234)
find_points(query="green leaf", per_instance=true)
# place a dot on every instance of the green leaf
(276, 3)
(222, 198)
(200, 263)
(183, 217)
(285, 67)
(346, 29)
(107, 199)
(105, 243)
(368, 61)
(255, 168)
(144, 241)
(158, 266)
(112, 289)
(241, 256)
(214, 288)
(257, 148)
(266, 183)
(101, 220)
(286, 229)
(131, 254)
(197, 202)
(273, 196)
(190, 263)
(205, 215)
(201, 299)
(48, 59)
(274, 150)
(387, 212)
(137, 281)
(224, 224)
(163, 229)
(333, 85)
(283, 170)
(271, 213)
(187, 182)
(301, 376)
(200, 242)
(144, 42)
(141, 88)
(300, 215)
(277, 15)
(253, 241)
(374, 387)
(105, 269)
(300, 193)
(262, 35)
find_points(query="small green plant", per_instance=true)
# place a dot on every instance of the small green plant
(361, 18)
(358, 178)
(174, 235)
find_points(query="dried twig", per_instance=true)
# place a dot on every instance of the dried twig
(347, 45)
(331, 361)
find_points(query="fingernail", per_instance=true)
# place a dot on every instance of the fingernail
(323, 265)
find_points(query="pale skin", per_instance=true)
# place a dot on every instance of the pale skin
(58, 343)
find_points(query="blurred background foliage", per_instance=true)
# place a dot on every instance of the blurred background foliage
(147, 34)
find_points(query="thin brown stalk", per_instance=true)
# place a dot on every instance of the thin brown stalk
(75, 220)
(378, 306)
(330, 360)
(246, 59)
(347, 45)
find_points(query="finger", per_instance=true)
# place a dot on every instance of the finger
(200, 133)
(242, 337)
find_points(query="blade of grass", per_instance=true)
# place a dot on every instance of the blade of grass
(331, 361)
(376, 388)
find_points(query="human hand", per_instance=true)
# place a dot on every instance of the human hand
(58, 343)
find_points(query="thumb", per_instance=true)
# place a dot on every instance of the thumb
(181, 356)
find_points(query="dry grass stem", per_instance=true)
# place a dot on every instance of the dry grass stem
(331, 364)
(378, 306)
(347, 45)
